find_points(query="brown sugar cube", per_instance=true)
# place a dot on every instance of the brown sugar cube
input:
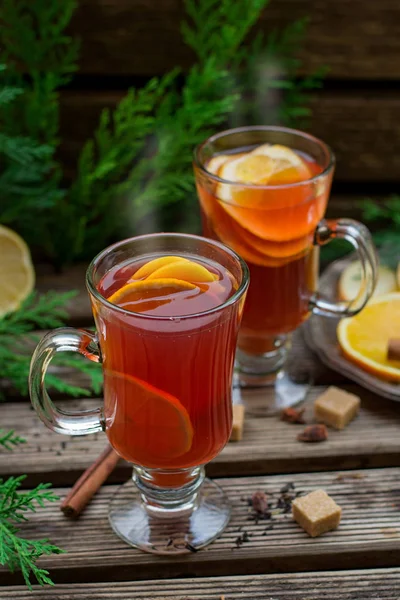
(316, 513)
(238, 423)
(336, 407)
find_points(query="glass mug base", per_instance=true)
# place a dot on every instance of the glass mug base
(268, 370)
(169, 531)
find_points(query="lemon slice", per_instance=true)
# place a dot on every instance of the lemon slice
(17, 275)
(350, 280)
(364, 338)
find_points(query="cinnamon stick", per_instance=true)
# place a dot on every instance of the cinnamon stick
(89, 482)
(393, 350)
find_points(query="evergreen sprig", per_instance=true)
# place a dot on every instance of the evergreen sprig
(8, 439)
(25, 165)
(135, 175)
(385, 219)
(17, 552)
(17, 342)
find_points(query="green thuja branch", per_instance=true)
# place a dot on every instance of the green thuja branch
(8, 439)
(135, 175)
(17, 552)
(17, 342)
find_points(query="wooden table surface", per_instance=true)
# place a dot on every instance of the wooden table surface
(359, 467)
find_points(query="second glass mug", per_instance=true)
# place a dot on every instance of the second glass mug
(278, 230)
(167, 394)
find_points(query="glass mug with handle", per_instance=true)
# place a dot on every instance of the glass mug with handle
(167, 309)
(263, 191)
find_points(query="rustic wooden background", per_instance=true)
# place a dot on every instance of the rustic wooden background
(127, 41)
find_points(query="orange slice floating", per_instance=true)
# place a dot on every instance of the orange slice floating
(136, 291)
(149, 424)
(249, 168)
(275, 214)
(277, 249)
(149, 268)
(184, 271)
(288, 167)
(364, 337)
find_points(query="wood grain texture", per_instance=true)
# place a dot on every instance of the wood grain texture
(371, 584)
(141, 37)
(268, 446)
(363, 130)
(368, 537)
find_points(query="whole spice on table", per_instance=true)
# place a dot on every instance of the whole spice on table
(89, 483)
(293, 415)
(259, 501)
(313, 434)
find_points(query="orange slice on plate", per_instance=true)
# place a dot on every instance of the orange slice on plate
(145, 424)
(149, 268)
(364, 338)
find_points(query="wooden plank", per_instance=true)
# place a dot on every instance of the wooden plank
(268, 446)
(142, 37)
(368, 537)
(363, 130)
(371, 584)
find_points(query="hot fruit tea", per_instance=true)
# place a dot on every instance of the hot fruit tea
(167, 396)
(270, 222)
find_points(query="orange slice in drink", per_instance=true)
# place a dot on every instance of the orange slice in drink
(277, 214)
(184, 271)
(364, 337)
(288, 167)
(148, 423)
(149, 268)
(277, 249)
(134, 292)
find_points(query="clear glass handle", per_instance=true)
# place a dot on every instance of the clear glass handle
(359, 236)
(67, 422)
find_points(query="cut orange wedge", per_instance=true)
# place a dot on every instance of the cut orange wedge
(149, 268)
(145, 424)
(184, 271)
(135, 291)
(364, 337)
